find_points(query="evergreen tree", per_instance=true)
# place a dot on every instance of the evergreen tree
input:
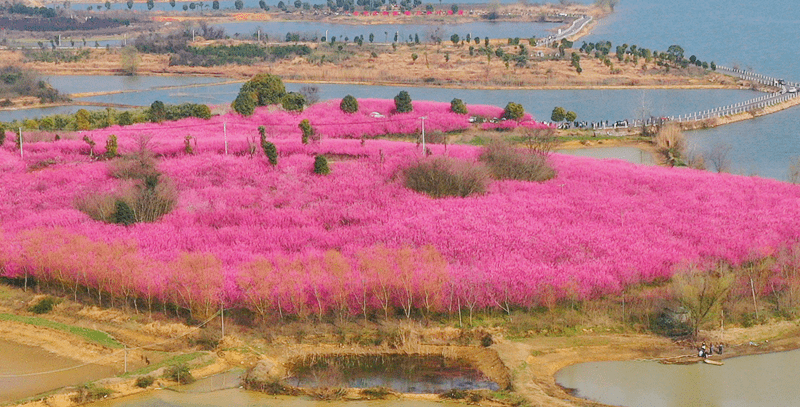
(308, 131)
(271, 152)
(349, 104)
(111, 146)
(513, 111)
(321, 165)
(402, 102)
(458, 106)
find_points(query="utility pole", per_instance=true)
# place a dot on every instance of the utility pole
(20, 144)
(424, 152)
(222, 317)
(225, 134)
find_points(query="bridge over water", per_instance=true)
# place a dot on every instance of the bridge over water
(788, 90)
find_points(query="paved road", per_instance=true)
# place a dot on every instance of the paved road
(573, 29)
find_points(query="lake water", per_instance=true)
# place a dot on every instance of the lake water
(730, 32)
(748, 381)
(589, 104)
(19, 360)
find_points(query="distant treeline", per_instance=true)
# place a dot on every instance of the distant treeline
(19, 8)
(178, 45)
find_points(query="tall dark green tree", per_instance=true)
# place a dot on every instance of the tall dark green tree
(402, 102)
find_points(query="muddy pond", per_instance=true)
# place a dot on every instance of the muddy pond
(403, 373)
(20, 365)
(752, 381)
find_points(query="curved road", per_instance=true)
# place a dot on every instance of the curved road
(573, 29)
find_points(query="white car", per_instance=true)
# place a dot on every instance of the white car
(377, 115)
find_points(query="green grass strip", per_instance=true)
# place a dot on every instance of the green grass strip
(175, 360)
(92, 335)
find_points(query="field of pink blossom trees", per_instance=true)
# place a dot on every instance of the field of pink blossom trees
(280, 240)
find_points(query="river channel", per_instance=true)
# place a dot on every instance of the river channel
(752, 381)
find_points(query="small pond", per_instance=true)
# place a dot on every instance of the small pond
(19, 363)
(403, 373)
(630, 154)
(752, 381)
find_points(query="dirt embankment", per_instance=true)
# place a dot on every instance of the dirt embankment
(529, 364)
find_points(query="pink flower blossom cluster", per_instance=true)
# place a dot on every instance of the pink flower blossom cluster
(284, 240)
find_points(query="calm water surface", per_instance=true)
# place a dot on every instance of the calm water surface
(16, 359)
(749, 381)
(630, 154)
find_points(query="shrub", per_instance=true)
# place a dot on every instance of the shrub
(349, 104)
(458, 106)
(123, 214)
(2, 135)
(321, 165)
(442, 177)
(513, 111)
(266, 89)
(272, 386)
(145, 381)
(88, 392)
(179, 373)
(44, 305)
(506, 162)
(377, 393)
(402, 102)
(244, 104)
(293, 102)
